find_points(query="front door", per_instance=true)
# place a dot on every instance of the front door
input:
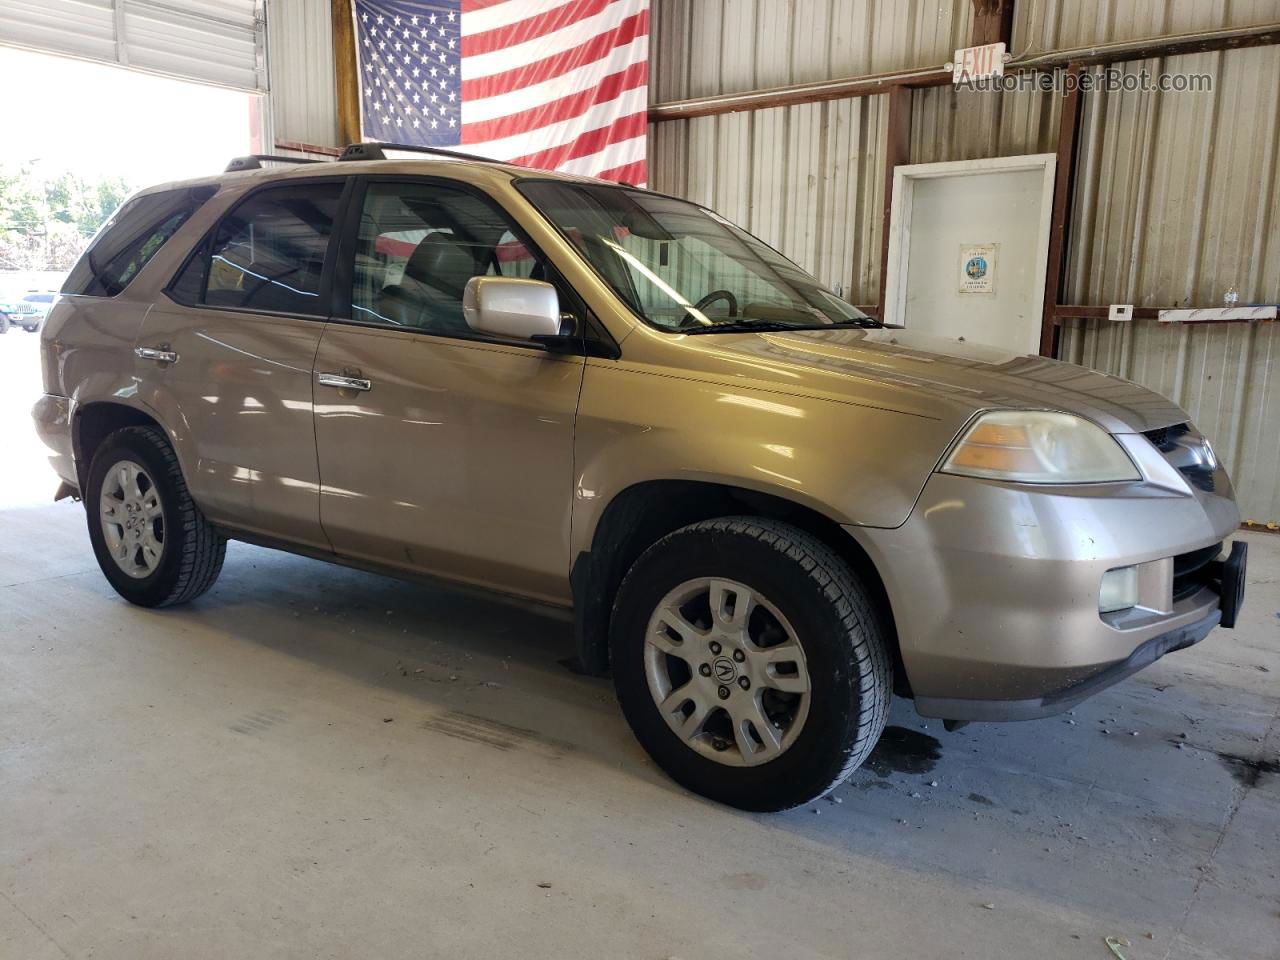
(228, 365)
(452, 453)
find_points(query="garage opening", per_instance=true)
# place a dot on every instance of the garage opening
(95, 134)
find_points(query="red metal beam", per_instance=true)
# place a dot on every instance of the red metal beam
(897, 152)
(1068, 124)
(799, 93)
(1062, 311)
(992, 22)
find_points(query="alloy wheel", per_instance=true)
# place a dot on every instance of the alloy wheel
(132, 519)
(727, 671)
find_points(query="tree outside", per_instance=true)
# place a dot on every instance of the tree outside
(47, 220)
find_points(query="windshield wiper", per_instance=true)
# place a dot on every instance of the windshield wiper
(862, 323)
(777, 326)
(742, 326)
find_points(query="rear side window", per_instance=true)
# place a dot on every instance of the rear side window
(130, 238)
(267, 254)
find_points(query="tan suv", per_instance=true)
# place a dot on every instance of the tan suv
(766, 511)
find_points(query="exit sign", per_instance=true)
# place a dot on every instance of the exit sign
(978, 63)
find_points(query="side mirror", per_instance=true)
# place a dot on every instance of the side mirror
(511, 307)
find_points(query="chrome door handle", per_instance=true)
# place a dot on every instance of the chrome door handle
(161, 353)
(343, 382)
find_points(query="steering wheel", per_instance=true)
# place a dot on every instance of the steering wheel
(713, 296)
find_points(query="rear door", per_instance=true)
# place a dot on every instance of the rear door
(454, 453)
(227, 359)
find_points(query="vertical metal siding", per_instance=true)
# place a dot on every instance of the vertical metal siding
(303, 98)
(807, 180)
(1177, 191)
(968, 124)
(1044, 25)
(703, 47)
(1177, 198)
(1225, 376)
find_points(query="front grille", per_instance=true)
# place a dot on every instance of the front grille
(1186, 450)
(1160, 437)
(1193, 570)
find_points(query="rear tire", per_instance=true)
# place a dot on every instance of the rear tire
(152, 542)
(751, 662)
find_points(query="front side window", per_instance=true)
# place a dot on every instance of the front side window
(133, 235)
(681, 267)
(419, 244)
(268, 253)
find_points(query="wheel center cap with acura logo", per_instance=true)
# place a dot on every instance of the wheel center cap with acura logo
(724, 670)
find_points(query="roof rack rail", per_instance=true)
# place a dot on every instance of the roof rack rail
(376, 151)
(254, 161)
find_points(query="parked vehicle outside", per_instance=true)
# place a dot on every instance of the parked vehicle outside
(33, 308)
(27, 311)
(766, 511)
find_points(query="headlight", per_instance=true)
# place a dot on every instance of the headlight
(1035, 446)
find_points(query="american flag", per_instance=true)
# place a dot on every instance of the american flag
(556, 84)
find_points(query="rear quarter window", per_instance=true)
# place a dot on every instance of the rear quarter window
(268, 253)
(131, 238)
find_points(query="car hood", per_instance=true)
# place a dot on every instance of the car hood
(970, 376)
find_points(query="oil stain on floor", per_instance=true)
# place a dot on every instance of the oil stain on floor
(902, 750)
(1249, 771)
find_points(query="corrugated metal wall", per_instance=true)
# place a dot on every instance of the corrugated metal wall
(1177, 195)
(967, 125)
(724, 46)
(808, 180)
(1227, 376)
(1044, 25)
(300, 52)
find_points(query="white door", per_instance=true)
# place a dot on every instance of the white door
(968, 247)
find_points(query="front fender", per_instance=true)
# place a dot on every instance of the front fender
(855, 464)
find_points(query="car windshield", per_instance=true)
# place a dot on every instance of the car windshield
(683, 268)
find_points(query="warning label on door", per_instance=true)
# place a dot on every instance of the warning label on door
(978, 268)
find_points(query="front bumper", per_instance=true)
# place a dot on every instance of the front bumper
(1057, 701)
(994, 589)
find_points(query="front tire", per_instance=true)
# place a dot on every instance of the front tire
(152, 542)
(751, 662)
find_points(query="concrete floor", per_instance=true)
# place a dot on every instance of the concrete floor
(315, 762)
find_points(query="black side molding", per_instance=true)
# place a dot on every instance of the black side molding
(577, 346)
